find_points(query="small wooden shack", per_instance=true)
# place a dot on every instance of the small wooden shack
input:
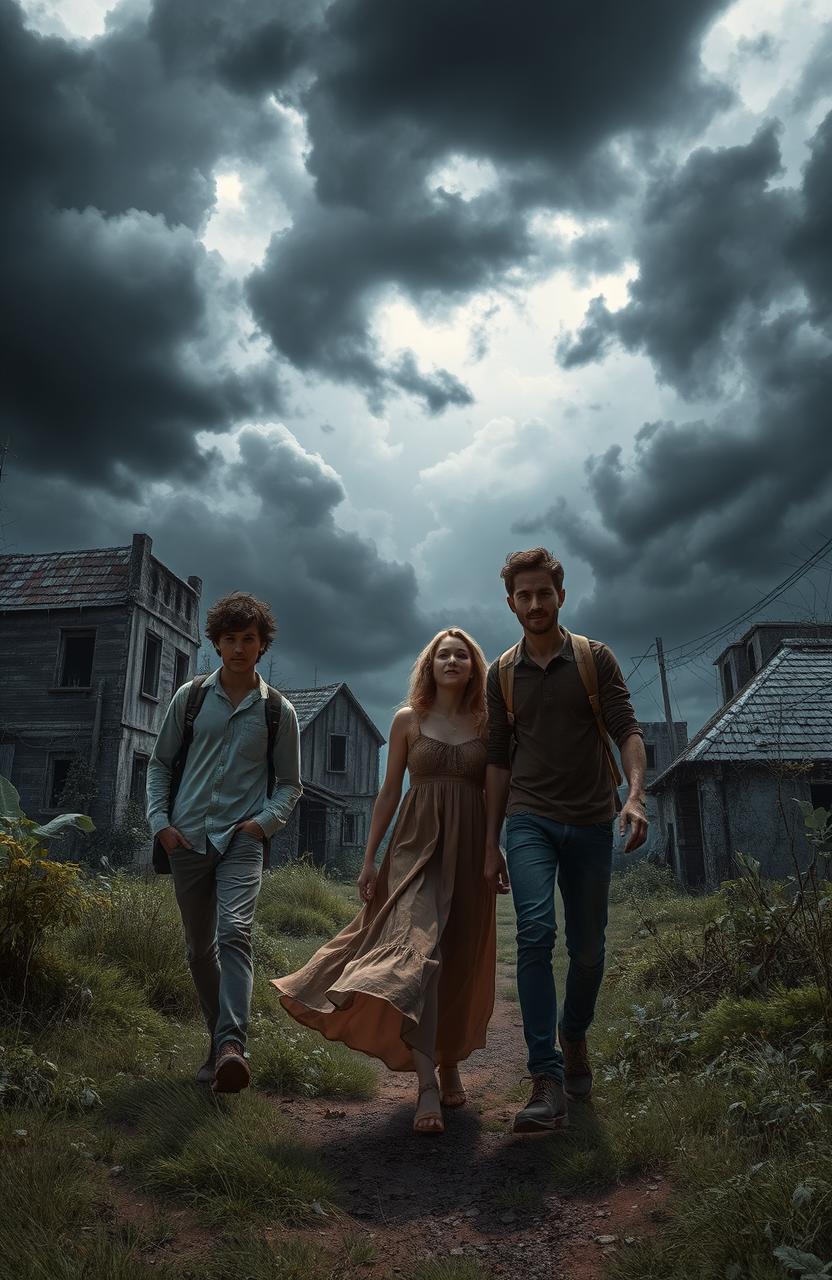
(339, 768)
(92, 646)
(734, 786)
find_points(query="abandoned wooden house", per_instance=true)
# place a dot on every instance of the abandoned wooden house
(733, 788)
(92, 645)
(339, 769)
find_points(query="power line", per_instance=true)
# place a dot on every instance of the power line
(709, 638)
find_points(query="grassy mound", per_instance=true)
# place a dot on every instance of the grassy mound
(300, 900)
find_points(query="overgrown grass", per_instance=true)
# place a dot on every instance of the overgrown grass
(292, 1059)
(299, 900)
(230, 1160)
(53, 1224)
(141, 932)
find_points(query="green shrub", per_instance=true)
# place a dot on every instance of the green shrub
(38, 894)
(779, 1017)
(141, 933)
(299, 900)
(27, 1079)
(642, 882)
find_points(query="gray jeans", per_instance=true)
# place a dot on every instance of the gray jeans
(217, 894)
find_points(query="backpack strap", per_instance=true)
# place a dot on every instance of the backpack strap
(274, 710)
(588, 672)
(505, 671)
(193, 706)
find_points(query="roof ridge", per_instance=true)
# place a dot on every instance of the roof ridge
(46, 555)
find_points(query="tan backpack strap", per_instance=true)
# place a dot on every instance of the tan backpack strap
(589, 678)
(506, 674)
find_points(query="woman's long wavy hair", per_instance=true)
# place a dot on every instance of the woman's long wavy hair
(422, 692)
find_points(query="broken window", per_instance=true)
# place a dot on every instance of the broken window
(180, 669)
(58, 773)
(138, 777)
(337, 753)
(150, 666)
(349, 828)
(75, 666)
(728, 677)
(650, 752)
(820, 795)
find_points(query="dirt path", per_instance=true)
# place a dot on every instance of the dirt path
(475, 1191)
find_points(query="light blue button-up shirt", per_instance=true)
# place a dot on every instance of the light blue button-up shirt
(225, 776)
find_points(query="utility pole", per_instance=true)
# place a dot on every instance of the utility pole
(668, 714)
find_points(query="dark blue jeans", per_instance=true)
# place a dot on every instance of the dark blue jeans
(539, 850)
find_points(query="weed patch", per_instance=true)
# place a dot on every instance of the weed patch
(292, 1059)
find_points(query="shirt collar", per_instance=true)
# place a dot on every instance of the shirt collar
(213, 681)
(566, 652)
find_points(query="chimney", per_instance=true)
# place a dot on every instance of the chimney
(196, 584)
(139, 555)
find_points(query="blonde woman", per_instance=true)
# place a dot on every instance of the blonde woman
(411, 979)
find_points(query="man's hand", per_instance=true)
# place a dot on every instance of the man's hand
(251, 828)
(170, 839)
(633, 815)
(495, 869)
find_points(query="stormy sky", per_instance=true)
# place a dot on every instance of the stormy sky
(341, 301)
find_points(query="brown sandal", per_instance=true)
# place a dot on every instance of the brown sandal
(452, 1097)
(418, 1121)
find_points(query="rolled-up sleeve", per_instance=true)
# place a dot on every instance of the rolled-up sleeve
(499, 727)
(287, 785)
(616, 707)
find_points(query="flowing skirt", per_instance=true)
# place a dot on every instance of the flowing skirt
(415, 968)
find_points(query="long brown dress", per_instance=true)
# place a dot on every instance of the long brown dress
(415, 968)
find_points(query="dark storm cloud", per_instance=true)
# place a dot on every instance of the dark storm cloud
(340, 605)
(401, 87)
(710, 249)
(114, 316)
(316, 290)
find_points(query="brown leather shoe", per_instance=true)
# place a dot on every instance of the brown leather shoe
(205, 1074)
(577, 1073)
(232, 1072)
(546, 1108)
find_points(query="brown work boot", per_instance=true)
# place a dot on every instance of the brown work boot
(577, 1073)
(205, 1074)
(232, 1072)
(546, 1108)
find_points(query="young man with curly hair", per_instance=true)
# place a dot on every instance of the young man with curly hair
(214, 832)
(554, 701)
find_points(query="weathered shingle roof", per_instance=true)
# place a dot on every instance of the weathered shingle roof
(309, 703)
(783, 713)
(58, 579)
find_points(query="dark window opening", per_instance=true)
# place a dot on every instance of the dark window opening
(337, 753)
(167, 591)
(151, 665)
(189, 608)
(729, 680)
(138, 777)
(57, 780)
(650, 751)
(752, 658)
(77, 652)
(349, 828)
(180, 669)
(820, 795)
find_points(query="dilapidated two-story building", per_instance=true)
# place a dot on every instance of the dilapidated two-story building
(92, 646)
